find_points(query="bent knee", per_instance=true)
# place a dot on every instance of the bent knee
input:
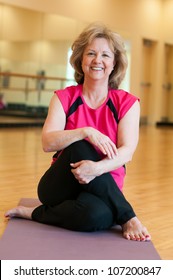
(82, 149)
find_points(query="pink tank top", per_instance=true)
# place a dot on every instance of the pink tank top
(105, 118)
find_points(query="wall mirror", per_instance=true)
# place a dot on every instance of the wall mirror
(34, 51)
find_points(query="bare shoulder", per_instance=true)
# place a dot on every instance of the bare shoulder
(56, 116)
(133, 112)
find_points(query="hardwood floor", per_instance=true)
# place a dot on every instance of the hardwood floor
(148, 185)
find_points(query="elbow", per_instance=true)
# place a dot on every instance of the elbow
(129, 155)
(46, 143)
(46, 146)
(46, 149)
(130, 158)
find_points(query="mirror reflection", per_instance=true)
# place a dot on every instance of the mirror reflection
(34, 53)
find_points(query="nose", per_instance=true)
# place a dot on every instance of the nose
(98, 57)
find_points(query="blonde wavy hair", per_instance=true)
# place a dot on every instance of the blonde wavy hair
(99, 30)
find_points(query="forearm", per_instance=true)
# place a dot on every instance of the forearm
(57, 140)
(124, 156)
(60, 139)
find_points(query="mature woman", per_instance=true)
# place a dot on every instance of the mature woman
(93, 127)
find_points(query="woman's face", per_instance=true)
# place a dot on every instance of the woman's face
(98, 60)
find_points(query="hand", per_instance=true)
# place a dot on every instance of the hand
(103, 142)
(84, 171)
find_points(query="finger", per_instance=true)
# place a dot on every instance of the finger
(75, 165)
(114, 148)
(108, 150)
(102, 148)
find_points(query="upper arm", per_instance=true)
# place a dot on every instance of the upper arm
(128, 128)
(56, 117)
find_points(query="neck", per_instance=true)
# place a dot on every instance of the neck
(95, 90)
(95, 95)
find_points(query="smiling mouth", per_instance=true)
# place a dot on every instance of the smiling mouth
(97, 68)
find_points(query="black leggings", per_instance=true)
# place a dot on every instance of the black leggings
(81, 207)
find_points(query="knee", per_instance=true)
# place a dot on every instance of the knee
(83, 150)
(80, 146)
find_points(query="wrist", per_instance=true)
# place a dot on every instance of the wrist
(99, 168)
(85, 132)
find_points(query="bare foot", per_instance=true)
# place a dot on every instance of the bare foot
(134, 230)
(20, 212)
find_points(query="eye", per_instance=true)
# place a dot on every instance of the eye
(105, 55)
(91, 53)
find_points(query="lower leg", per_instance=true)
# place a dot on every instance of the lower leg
(106, 189)
(86, 213)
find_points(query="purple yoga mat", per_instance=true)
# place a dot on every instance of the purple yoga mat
(29, 240)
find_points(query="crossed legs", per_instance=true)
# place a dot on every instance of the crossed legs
(94, 206)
